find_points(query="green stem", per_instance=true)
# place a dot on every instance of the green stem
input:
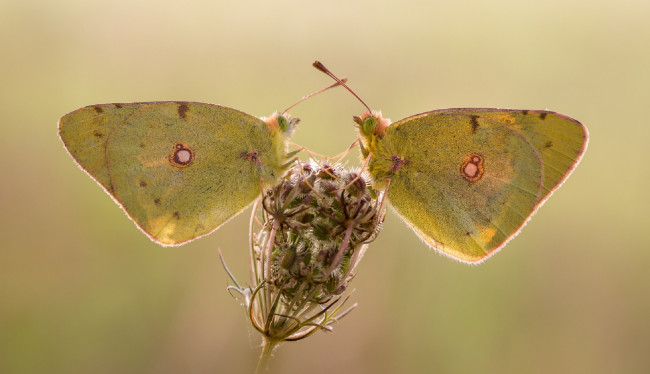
(268, 346)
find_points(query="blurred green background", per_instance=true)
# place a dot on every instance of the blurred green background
(83, 291)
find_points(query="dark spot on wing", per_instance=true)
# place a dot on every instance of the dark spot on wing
(98, 109)
(252, 157)
(548, 144)
(474, 121)
(397, 163)
(182, 110)
(542, 115)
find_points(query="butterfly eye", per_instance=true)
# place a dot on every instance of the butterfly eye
(369, 125)
(283, 123)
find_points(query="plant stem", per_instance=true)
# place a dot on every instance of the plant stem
(268, 346)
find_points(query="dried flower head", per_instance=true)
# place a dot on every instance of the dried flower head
(315, 227)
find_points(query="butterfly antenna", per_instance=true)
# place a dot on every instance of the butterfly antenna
(319, 65)
(338, 83)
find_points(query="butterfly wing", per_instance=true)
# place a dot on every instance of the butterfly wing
(178, 169)
(467, 180)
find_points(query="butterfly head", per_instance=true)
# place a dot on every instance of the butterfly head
(282, 122)
(372, 123)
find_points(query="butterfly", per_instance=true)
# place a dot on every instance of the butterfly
(178, 169)
(467, 180)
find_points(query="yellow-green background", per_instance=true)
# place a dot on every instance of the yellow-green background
(83, 291)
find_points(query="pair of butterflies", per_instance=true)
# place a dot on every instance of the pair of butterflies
(466, 180)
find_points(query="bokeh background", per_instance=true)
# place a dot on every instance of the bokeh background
(83, 291)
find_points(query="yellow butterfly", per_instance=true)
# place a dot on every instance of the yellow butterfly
(467, 180)
(178, 169)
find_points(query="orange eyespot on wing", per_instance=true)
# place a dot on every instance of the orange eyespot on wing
(472, 167)
(181, 155)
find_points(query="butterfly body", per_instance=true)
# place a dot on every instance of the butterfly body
(467, 180)
(178, 169)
